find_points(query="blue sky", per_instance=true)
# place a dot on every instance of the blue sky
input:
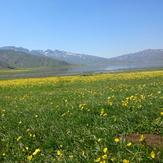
(97, 27)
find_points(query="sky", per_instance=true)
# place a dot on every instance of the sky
(103, 28)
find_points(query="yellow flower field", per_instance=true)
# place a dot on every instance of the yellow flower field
(114, 117)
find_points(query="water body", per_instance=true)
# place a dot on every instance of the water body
(80, 70)
(95, 68)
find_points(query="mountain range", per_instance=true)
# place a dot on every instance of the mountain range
(18, 57)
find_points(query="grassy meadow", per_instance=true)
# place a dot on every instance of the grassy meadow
(116, 117)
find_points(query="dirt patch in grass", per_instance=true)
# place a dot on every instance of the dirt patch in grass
(150, 139)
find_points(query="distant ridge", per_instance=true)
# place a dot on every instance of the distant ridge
(142, 59)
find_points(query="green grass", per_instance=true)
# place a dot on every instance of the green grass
(79, 119)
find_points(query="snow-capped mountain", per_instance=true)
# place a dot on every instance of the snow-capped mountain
(74, 58)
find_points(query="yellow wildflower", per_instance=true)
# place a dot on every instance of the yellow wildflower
(26, 148)
(117, 140)
(71, 156)
(110, 100)
(98, 159)
(30, 157)
(105, 150)
(161, 113)
(59, 153)
(113, 159)
(141, 138)
(83, 153)
(129, 144)
(102, 112)
(105, 114)
(36, 151)
(103, 161)
(126, 161)
(99, 140)
(104, 156)
(20, 122)
(20, 137)
(152, 154)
